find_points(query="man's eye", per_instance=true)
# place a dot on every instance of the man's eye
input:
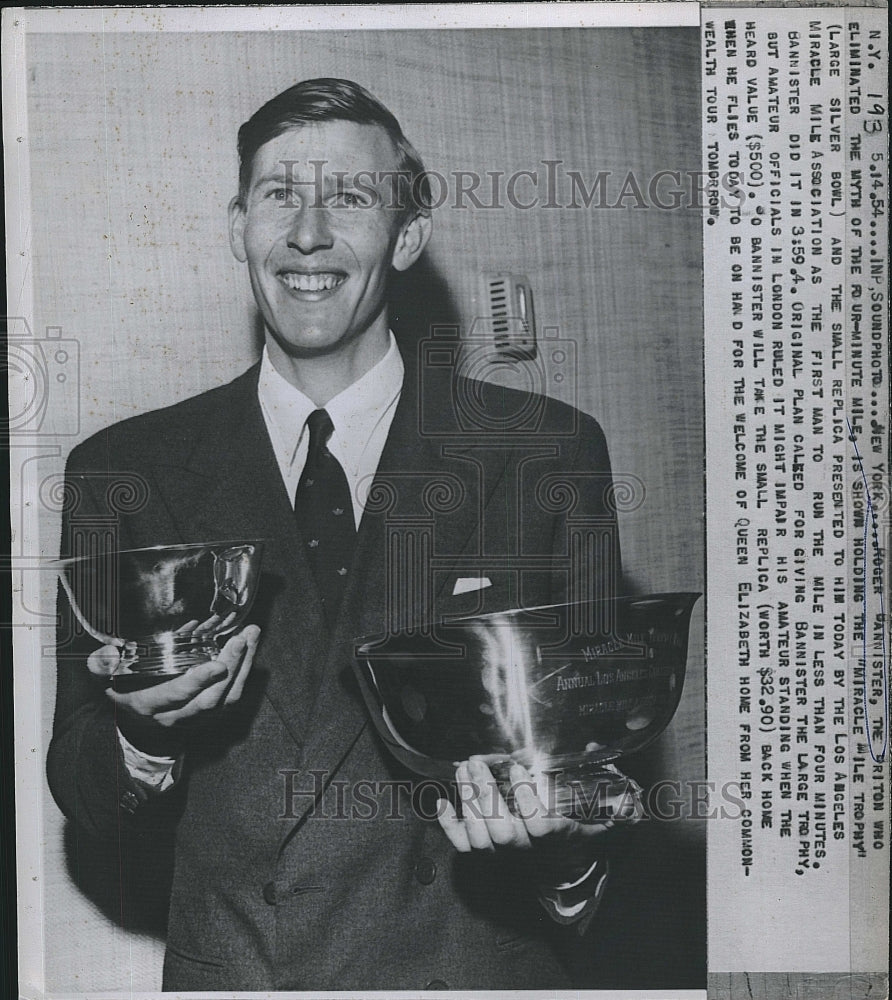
(285, 195)
(347, 199)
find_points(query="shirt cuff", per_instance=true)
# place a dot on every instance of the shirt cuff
(154, 772)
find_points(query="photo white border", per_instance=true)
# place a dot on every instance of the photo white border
(366, 17)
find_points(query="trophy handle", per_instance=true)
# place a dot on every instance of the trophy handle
(233, 579)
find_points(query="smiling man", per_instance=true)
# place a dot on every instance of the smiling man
(286, 876)
(319, 246)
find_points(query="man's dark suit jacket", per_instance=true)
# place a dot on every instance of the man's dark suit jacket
(271, 891)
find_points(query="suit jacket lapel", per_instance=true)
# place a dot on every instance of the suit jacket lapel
(231, 487)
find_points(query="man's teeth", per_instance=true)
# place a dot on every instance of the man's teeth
(310, 282)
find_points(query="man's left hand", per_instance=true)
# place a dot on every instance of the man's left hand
(563, 848)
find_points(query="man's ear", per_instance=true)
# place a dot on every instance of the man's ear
(412, 239)
(237, 220)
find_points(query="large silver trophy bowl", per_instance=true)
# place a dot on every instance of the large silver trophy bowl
(564, 690)
(167, 608)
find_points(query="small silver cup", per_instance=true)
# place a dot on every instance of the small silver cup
(168, 607)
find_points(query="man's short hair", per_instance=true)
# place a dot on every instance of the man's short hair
(328, 99)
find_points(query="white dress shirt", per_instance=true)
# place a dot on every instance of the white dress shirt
(361, 415)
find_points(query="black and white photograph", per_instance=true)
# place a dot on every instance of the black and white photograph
(362, 501)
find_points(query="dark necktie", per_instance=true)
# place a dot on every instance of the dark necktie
(323, 508)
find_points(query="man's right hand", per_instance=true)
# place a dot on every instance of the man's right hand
(152, 718)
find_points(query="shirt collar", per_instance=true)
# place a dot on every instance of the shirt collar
(355, 412)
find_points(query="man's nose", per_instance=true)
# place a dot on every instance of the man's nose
(310, 229)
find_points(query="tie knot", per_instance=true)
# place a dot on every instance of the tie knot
(320, 428)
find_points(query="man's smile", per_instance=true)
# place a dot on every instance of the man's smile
(312, 281)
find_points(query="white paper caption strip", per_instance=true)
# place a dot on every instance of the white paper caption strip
(795, 233)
